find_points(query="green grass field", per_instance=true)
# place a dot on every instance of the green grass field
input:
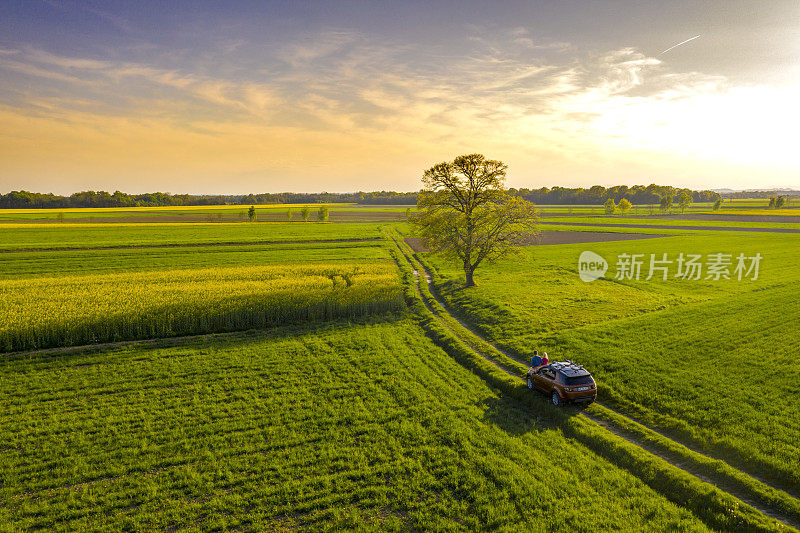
(80, 293)
(338, 213)
(211, 213)
(57, 236)
(630, 219)
(316, 399)
(329, 427)
(29, 264)
(709, 360)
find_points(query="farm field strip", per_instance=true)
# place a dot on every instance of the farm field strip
(195, 214)
(48, 236)
(784, 498)
(654, 229)
(330, 426)
(767, 499)
(752, 427)
(679, 220)
(764, 218)
(82, 261)
(711, 327)
(334, 216)
(337, 212)
(766, 228)
(679, 337)
(791, 211)
(84, 309)
(203, 208)
(752, 490)
(548, 297)
(654, 211)
(190, 245)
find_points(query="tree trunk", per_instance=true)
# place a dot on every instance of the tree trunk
(468, 271)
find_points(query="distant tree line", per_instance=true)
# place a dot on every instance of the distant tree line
(777, 202)
(762, 194)
(597, 195)
(26, 199)
(375, 198)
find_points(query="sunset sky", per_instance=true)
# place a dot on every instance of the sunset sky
(237, 97)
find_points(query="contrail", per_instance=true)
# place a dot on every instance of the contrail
(677, 45)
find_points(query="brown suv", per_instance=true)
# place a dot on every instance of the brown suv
(564, 382)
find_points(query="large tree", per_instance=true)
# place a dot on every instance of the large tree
(464, 212)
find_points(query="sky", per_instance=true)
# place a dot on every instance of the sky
(235, 97)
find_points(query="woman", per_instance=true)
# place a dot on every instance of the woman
(545, 360)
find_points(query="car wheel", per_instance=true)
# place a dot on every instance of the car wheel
(530, 383)
(556, 399)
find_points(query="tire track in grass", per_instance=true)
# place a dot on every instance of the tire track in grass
(792, 491)
(768, 500)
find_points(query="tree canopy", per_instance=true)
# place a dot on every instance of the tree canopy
(465, 213)
(666, 203)
(684, 200)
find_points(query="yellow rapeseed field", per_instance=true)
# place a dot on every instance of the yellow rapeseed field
(73, 310)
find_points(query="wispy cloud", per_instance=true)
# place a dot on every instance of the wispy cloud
(315, 47)
(342, 100)
(105, 79)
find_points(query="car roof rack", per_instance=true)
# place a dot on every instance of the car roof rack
(568, 367)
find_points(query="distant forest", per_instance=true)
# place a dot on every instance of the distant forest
(788, 193)
(638, 195)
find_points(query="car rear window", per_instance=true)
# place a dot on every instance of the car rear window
(577, 380)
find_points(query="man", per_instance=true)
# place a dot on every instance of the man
(536, 360)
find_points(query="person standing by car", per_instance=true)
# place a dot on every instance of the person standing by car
(536, 360)
(545, 360)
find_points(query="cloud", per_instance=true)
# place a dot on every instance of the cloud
(36, 55)
(314, 47)
(107, 77)
(349, 105)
